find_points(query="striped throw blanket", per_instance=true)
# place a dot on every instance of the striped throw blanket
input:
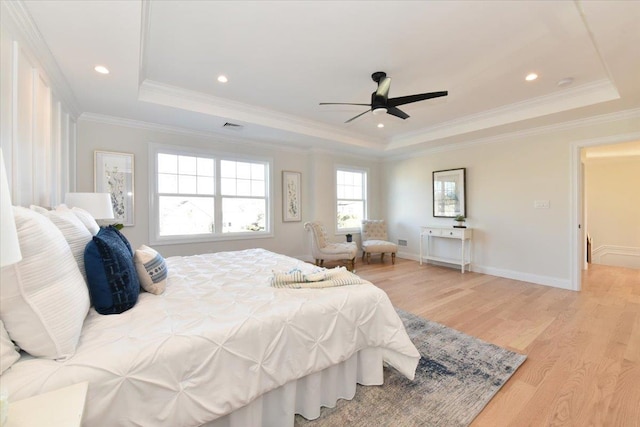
(296, 279)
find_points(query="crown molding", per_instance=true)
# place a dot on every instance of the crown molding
(632, 114)
(172, 96)
(580, 96)
(145, 29)
(219, 137)
(175, 130)
(26, 31)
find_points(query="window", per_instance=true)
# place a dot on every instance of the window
(351, 191)
(244, 205)
(186, 203)
(200, 196)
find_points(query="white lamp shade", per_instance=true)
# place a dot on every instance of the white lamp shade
(97, 204)
(10, 250)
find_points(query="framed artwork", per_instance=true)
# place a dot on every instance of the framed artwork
(291, 196)
(449, 196)
(114, 175)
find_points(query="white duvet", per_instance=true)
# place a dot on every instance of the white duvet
(218, 337)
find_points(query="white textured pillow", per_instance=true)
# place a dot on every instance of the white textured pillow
(152, 269)
(73, 230)
(8, 353)
(44, 299)
(39, 209)
(87, 220)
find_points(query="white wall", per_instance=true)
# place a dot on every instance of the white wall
(37, 127)
(510, 237)
(290, 238)
(613, 209)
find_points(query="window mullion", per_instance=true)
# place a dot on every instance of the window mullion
(218, 197)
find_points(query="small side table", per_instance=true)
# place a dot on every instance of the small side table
(63, 407)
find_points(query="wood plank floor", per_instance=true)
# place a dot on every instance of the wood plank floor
(583, 348)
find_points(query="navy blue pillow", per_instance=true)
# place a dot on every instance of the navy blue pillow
(111, 274)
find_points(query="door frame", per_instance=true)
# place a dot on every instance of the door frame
(577, 245)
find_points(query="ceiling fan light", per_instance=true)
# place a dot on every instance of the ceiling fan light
(379, 110)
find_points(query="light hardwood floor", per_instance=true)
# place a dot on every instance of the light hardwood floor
(583, 348)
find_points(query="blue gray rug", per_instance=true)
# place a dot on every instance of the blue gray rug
(456, 377)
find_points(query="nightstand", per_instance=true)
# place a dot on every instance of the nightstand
(63, 407)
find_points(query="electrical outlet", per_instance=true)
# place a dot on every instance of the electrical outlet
(402, 242)
(541, 204)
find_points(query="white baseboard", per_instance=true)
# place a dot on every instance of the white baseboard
(621, 256)
(508, 274)
(525, 277)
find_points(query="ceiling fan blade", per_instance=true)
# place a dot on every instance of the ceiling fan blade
(397, 112)
(394, 102)
(383, 87)
(343, 103)
(361, 114)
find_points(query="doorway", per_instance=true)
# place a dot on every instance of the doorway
(578, 245)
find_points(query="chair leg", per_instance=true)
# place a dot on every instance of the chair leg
(382, 257)
(368, 257)
(321, 263)
(363, 254)
(352, 263)
(393, 258)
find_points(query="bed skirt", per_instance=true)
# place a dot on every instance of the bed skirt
(277, 408)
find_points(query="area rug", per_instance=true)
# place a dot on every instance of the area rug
(456, 377)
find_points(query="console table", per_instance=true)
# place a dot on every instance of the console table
(462, 234)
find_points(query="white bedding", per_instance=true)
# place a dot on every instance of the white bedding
(218, 338)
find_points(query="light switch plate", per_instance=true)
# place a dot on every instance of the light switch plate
(541, 204)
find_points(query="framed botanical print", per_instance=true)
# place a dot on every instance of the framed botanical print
(291, 196)
(114, 175)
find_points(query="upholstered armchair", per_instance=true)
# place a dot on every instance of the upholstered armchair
(322, 249)
(374, 240)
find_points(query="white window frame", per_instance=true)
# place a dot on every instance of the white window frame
(217, 235)
(365, 190)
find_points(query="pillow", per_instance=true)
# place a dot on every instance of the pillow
(44, 299)
(87, 220)
(39, 209)
(73, 230)
(152, 269)
(111, 275)
(8, 352)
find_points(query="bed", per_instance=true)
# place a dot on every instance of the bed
(222, 347)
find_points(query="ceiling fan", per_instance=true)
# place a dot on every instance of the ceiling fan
(381, 103)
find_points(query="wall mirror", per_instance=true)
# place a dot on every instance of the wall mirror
(449, 196)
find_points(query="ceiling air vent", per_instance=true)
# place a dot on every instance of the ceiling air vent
(232, 126)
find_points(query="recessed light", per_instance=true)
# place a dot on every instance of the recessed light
(222, 78)
(531, 77)
(101, 69)
(380, 125)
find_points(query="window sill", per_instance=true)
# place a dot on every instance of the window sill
(208, 239)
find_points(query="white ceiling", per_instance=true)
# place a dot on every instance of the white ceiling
(283, 58)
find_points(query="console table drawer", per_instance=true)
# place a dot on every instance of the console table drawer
(458, 234)
(432, 231)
